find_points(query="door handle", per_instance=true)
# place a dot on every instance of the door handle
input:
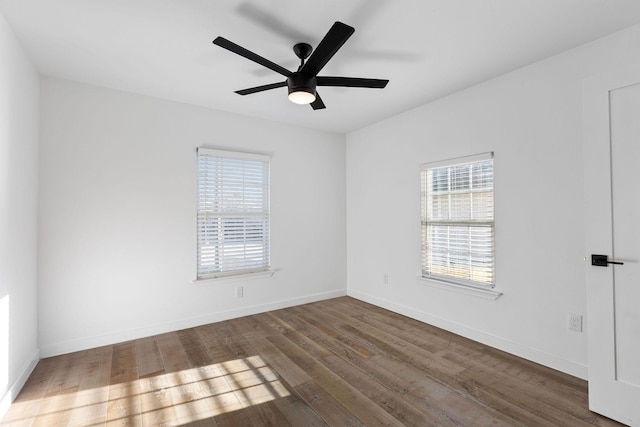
(602, 261)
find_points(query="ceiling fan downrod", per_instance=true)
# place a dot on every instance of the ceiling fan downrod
(302, 51)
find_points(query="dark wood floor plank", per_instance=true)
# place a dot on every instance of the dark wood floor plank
(421, 335)
(518, 396)
(297, 412)
(58, 402)
(339, 362)
(194, 348)
(361, 309)
(345, 343)
(292, 326)
(373, 337)
(254, 382)
(218, 352)
(256, 325)
(326, 338)
(92, 398)
(332, 411)
(155, 394)
(148, 357)
(507, 407)
(288, 370)
(351, 398)
(531, 393)
(425, 336)
(378, 393)
(264, 414)
(124, 406)
(569, 389)
(410, 354)
(460, 411)
(188, 394)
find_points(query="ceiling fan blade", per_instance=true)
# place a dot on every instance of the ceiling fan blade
(271, 20)
(239, 50)
(318, 104)
(338, 34)
(261, 88)
(351, 82)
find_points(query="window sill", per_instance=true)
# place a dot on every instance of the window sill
(492, 294)
(235, 277)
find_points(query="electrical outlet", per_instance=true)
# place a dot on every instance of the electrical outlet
(385, 278)
(575, 322)
(239, 292)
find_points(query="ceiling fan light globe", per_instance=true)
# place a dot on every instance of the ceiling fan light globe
(302, 88)
(302, 97)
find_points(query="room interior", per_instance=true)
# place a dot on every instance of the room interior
(103, 105)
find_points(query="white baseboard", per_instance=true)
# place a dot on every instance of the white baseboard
(92, 342)
(537, 356)
(12, 391)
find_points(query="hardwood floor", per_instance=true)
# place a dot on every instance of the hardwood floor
(339, 362)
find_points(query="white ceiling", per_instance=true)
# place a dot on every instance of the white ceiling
(426, 48)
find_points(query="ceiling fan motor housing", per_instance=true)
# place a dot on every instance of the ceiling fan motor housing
(301, 82)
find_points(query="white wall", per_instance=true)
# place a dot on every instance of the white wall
(19, 87)
(117, 216)
(531, 120)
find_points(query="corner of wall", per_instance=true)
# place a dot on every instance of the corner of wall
(14, 389)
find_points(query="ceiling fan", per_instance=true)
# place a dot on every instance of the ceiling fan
(303, 82)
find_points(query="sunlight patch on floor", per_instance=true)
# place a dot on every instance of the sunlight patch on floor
(173, 398)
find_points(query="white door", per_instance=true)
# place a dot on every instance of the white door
(612, 210)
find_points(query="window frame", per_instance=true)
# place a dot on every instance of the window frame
(446, 279)
(263, 215)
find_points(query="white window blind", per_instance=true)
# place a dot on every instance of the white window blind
(458, 220)
(233, 213)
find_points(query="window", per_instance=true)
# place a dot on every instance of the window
(233, 213)
(458, 221)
